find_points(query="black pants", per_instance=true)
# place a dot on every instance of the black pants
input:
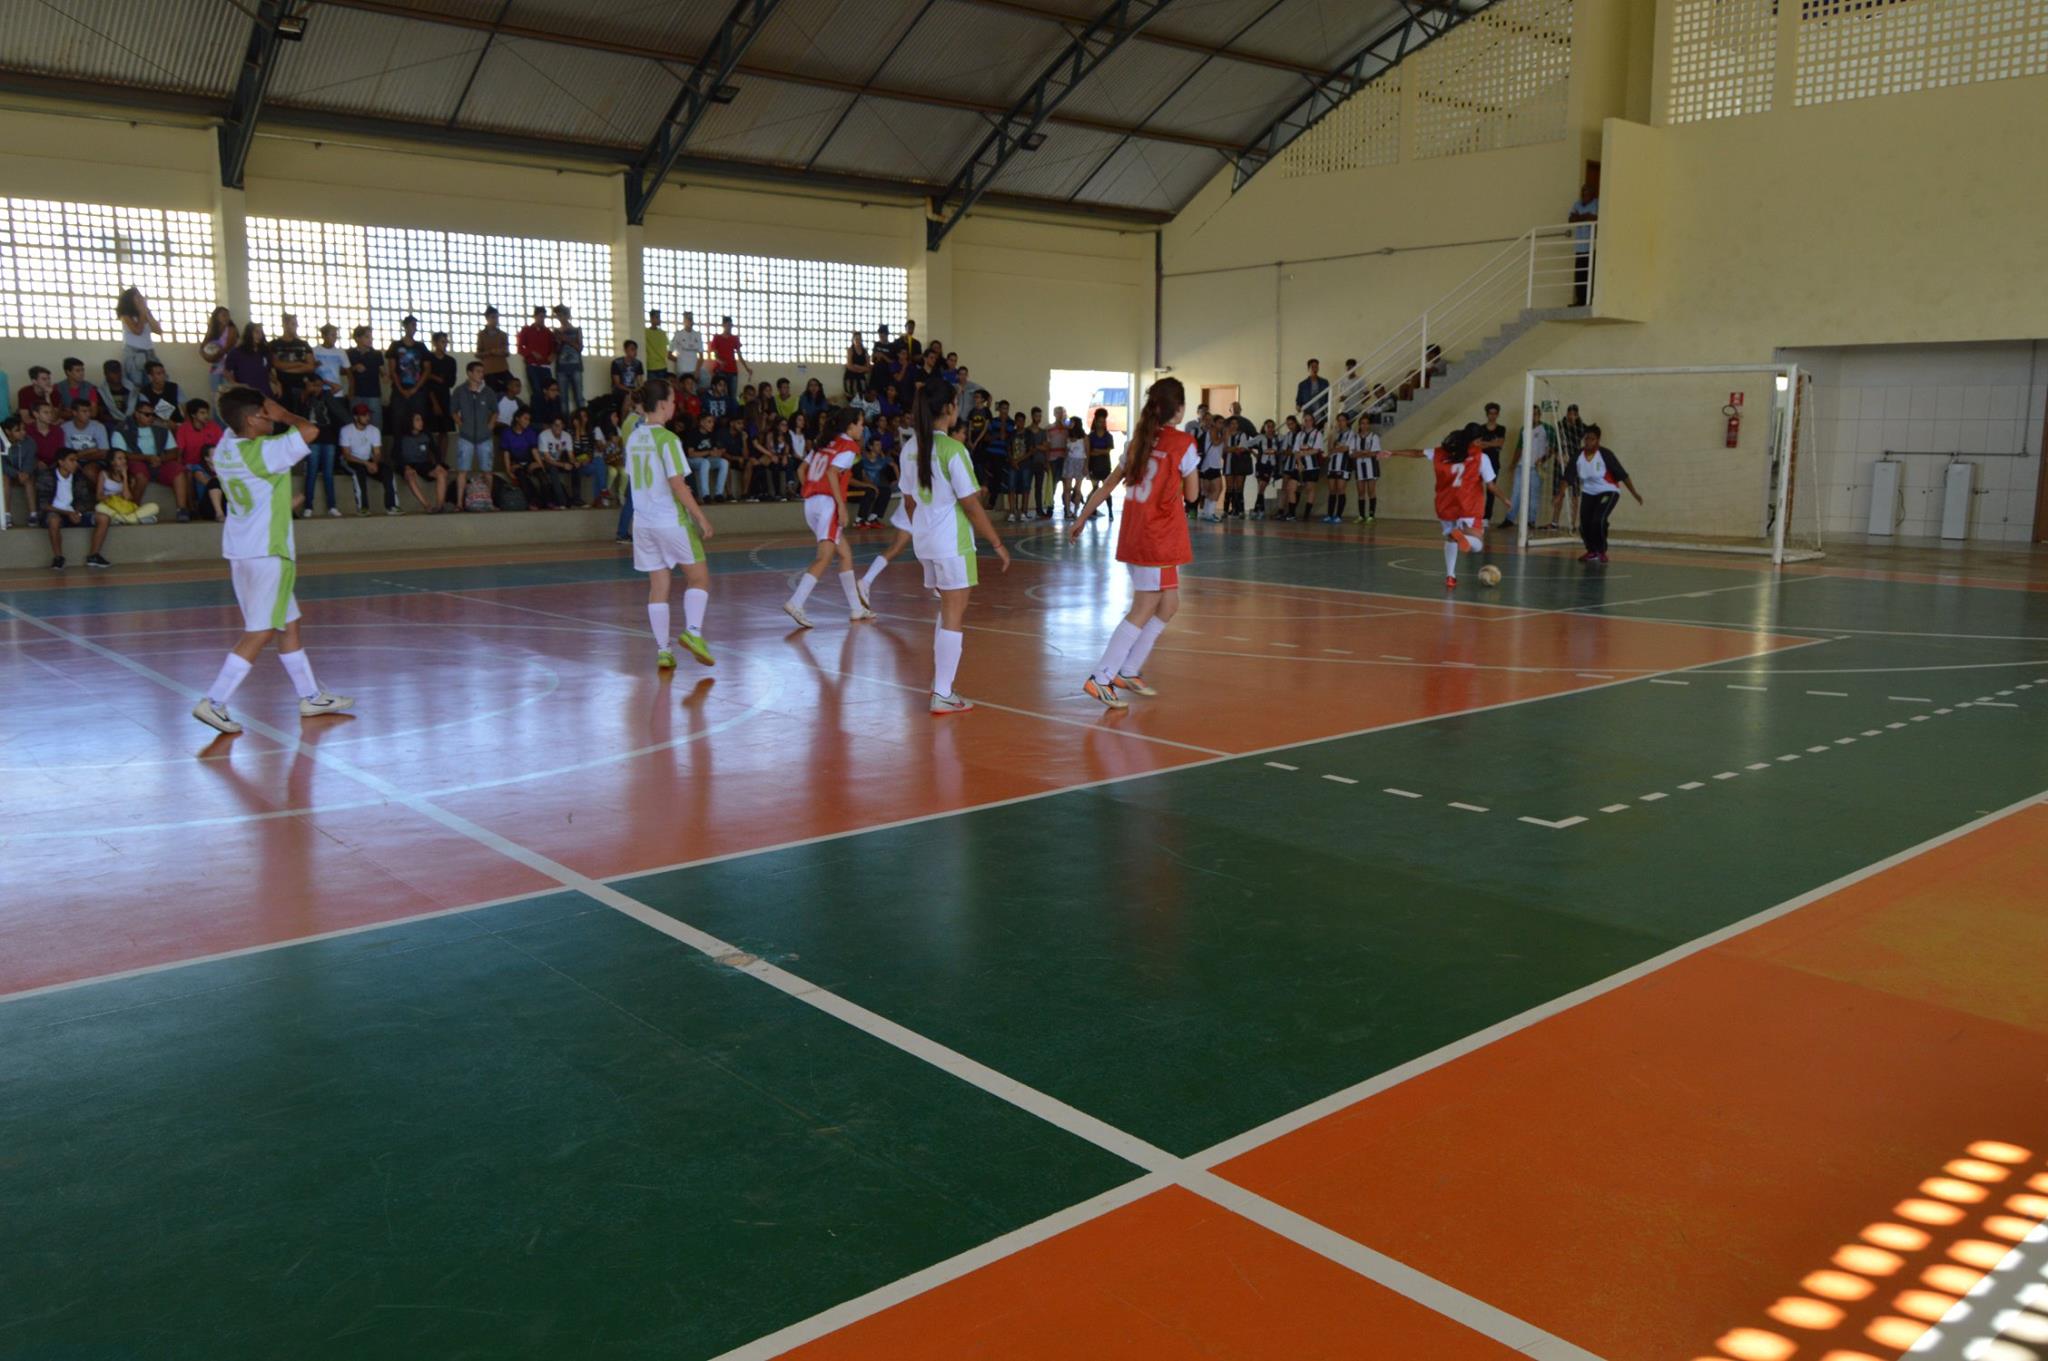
(1582, 278)
(1593, 513)
(873, 501)
(362, 477)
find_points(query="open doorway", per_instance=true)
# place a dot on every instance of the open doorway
(1083, 392)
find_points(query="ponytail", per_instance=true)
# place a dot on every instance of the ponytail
(654, 392)
(934, 397)
(1163, 400)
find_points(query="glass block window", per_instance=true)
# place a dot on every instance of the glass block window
(1856, 49)
(63, 267)
(348, 275)
(1365, 130)
(785, 311)
(1499, 79)
(1724, 57)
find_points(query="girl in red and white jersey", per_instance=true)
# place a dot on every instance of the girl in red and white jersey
(1159, 474)
(1463, 474)
(826, 470)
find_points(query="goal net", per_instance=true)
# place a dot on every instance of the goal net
(1724, 456)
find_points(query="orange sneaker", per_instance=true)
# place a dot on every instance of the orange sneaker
(1106, 695)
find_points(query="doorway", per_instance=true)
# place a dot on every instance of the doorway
(1083, 392)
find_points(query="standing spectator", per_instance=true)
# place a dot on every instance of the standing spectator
(1350, 392)
(1490, 438)
(248, 364)
(159, 393)
(1571, 437)
(627, 371)
(409, 362)
(362, 455)
(139, 330)
(152, 453)
(366, 374)
(1533, 444)
(419, 456)
(1601, 478)
(476, 416)
(196, 435)
(328, 414)
(440, 394)
(493, 351)
(858, 367)
(221, 337)
(569, 359)
(330, 361)
(509, 404)
(1308, 393)
(1585, 212)
(537, 351)
(117, 396)
(726, 361)
(291, 359)
(687, 348)
(657, 352)
(41, 388)
(961, 379)
(74, 389)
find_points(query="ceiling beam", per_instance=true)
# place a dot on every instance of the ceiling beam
(747, 69)
(1225, 52)
(701, 88)
(259, 62)
(1424, 22)
(476, 67)
(1016, 131)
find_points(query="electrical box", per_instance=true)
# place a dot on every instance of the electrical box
(1884, 496)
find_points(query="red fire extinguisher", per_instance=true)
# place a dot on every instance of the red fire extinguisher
(1733, 411)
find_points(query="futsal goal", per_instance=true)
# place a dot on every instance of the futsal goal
(1724, 456)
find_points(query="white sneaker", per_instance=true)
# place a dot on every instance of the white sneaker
(215, 716)
(324, 703)
(950, 704)
(334, 512)
(393, 510)
(862, 614)
(796, 612)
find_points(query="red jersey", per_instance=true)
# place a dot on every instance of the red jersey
(1155, 528)
(819, 464)
(1461, 487)
(726, 349)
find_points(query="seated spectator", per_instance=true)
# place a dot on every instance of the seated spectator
(785, 400)
(87, 437)
(17, 464)
(628, 373)
(708, 463)
(151, 454)
(547, 405)
(330, 415)
(689, 403)
(814, 403)
(718, 404)
(419, 457)
(66, 512)
(362, 457)
(509, 404)
(291, 359)
(584, 476)
(41, 388)
(196, 437)
(557, 464)
(115, 502)
(159, 393)
(117, 395)
(519, 453)
(74, 389)
(732, 441)
(873, 476)
(766, 462)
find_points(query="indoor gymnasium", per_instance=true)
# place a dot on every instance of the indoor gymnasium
(1024, 680)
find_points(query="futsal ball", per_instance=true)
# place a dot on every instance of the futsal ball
(1489, 576)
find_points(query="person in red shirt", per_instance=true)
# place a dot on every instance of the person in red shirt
(1464, 474)
(196, 436)
(725, 357)
(34, 467)
(1159, 474)
(827, 469)
(537, 349)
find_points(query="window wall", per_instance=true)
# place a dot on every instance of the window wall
(64, 265)
(785, 311)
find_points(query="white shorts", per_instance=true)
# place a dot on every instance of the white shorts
(263, 588)
(656, 547)
(1154, 578)
(1074, 469)
(899, 516)
(949, 574)
(822, 515)
(1475, 528)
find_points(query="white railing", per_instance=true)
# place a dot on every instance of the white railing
(1540, 269)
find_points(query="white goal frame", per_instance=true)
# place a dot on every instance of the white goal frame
(1788, 395)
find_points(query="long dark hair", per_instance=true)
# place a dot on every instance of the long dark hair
(932, 398)
(129, 304)
(1164, 400)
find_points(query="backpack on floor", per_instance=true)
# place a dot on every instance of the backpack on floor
(508, 496)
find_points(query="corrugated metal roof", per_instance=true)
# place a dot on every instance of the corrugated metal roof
(979, 54)
(1320, 32)
(1056, 169)
(1160, 176)
(843, 39)
(356, 62)
(907, 141)
(770, 121)
(1132, 83)
(670, 25)
(190, 46)
(1229, 101)
(569, 93)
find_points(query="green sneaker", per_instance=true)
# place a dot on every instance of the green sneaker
(695, 642)
(665, 659)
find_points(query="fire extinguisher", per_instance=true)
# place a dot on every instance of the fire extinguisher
(1733, 411)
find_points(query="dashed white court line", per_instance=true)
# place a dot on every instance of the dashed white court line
(1693, 784)
(1468, 807)
(1615, 808)
(1748, 687)
(1557, 826)
(1401, 793)
(1830, 694)
(1282, 765)
(1651, 798)
(1909, 699)
(1728, 775)
(1340, 779)
(1816, 750)
(1759, 765)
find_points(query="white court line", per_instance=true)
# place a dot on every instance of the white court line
(1401, 793)
(1557, 826)
(1340, 779)
(1615, 808)
(1469, 807)
(1282, 765)
(1909, 699)
(1789, 756)
(1661, 680)
(1758, 765)
(1994, 704)
(1592, 675)
(1830, 694)
(1748, 687)
(1651, 798)
(1693, 784)
(1812, 751)
(1730, 774)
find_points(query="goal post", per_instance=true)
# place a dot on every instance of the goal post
(1724, 456)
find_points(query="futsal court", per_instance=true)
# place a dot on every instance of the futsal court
(1634, 963)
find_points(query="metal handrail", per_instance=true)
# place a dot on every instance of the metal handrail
(1500, 289)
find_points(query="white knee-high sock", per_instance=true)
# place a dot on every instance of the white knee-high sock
(874, 570)
(846, 584)
(1120, 644)
(805, 584)
(1134, 665)
(946, 645)
(1450, 557)
(694, 602)
(657, 619)
(232, 672)
(301, 671)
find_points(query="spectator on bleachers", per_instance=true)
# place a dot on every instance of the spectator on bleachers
(152, 452)
(476, 416)
(493, 351)
(785, 398)
(75, 389)
(408, 363)
(557, 465)
(117, 396)
(44, 436)
(440, 394)
(139, 330)
(687, 346)
(537, 351)
(196, 436)
(627, 371)
(732, 441)
(709, 466)
(248, 364)
(689, 403)
(114, 501)
(330, 361)
(519, 455)
(1310, 389)
(221, 339)
(655, 346)
(872, 478)
(854, 377)
(160, 392)
(585, 479)
(362, 458)
(510, 403)
(67, 510)
(366, 374)
(330, 414)
(964, 381)
(86, 436)
(419, 457)
(726, 360)
(719, 403)
(41, 388)
(17, 465)
(569, 359)
(547, 404)
(291, 359)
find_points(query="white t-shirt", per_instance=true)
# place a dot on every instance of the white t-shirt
(557, 445)
(938, 527)
(256, 482)
(1593, 480)
(653, 456)
(689, 348)
(330, 362)
(135, 335)
(360, 444)
(60, 494)
(508, 407)
(1212, 453)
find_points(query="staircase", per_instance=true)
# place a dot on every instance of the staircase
(1526, 284)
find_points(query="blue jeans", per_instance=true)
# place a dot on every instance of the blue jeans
(321, 466)
(593, 473)
(569, 374)
(625, 530)
(710, 474)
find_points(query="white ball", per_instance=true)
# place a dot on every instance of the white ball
(1489, 576)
